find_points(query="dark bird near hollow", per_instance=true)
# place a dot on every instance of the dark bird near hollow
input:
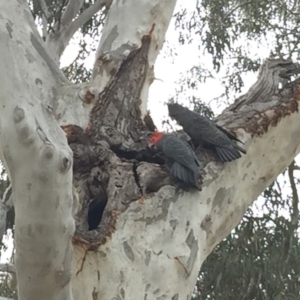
(185, 165)
(205, 132)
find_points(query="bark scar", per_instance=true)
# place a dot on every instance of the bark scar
(184, 267)
(82, 262)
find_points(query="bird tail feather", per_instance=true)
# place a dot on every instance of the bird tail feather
(239, 148)
(226, 154)
(229, 134)
(182, 173)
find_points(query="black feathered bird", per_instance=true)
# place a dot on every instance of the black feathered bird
(205, 132)
(186, 166)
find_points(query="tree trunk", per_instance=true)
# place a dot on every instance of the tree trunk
(37, 159)
(152, 238)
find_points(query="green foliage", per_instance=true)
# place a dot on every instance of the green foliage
(238, 34)
(189, 84)
(201, 108)
(5, 291)
(76, 72)
(52, 12)
(93, 26)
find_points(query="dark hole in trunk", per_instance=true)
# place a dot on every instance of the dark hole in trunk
(95, 213)
(97, 192)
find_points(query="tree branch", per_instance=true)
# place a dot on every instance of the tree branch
(58, 17)
(121, 38)
(37, 159)
(71, 11)
(235, 8)
(45, 24)
(58, 41)
(45, 9)
(86, 15)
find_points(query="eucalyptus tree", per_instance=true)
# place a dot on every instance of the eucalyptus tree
(76, 150)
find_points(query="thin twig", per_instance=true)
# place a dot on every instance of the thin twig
(235, 8)
(5, 194)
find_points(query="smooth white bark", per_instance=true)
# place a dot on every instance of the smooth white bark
(71, 106)
(127, 23)
(119, 38)
(37, 158)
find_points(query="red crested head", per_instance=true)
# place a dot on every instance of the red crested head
(155, 137)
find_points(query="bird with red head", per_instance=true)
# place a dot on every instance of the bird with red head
(186, 166)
